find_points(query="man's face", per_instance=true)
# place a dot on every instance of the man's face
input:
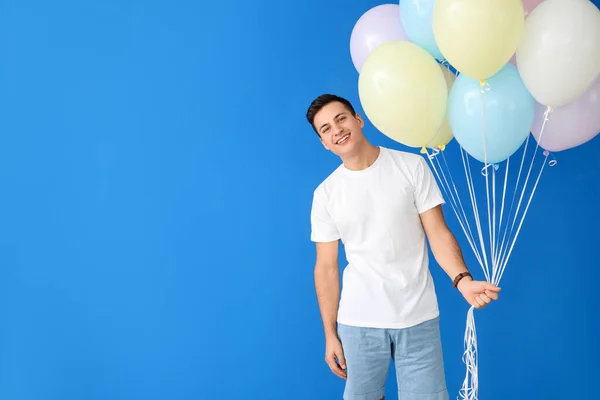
(340, 131)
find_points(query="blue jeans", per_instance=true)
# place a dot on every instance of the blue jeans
(416, 352)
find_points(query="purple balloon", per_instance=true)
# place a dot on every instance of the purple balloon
(570, 125)
(379, 25)
(530, 5)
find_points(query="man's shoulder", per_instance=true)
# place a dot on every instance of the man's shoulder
(330, 181)
(405, 160)
(403, 155)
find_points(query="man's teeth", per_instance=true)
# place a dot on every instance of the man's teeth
(342, 140)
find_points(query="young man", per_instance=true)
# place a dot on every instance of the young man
(382, 204)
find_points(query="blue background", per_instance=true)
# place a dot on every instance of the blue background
(156, 175)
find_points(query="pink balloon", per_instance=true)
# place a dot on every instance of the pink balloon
(379, 25)
(570, 125)
(529, 5)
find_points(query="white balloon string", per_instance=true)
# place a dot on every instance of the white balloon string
(470, 385)
(462, 208)
(497, 253)
(487, 182)
(512, 240)
(469, 177)
(443, 183)
(546, 153)
(512, 205)
(485, 160)
(553, 161)
(503, 267)
(493, 238)
(454, 203)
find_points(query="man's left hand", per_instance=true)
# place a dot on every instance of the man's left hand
(478, 293)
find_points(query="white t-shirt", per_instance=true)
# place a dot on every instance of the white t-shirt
(375, 213)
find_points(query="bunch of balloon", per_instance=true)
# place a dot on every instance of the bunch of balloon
(521, 67)
(402, 88)
(550, 89)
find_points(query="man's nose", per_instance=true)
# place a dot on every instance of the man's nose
(337, 129)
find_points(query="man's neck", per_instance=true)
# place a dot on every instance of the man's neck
(363, 158)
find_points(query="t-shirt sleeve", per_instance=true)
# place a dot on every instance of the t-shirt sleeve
(427, 191)
(323, 228)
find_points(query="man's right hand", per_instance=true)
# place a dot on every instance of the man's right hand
(334, 357)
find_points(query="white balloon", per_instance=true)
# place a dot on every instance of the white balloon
(559, 57)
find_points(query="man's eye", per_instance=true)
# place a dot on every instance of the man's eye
(325, 130)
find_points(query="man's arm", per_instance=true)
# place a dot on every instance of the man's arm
(327, 285)
(443, 244)
(447, 253)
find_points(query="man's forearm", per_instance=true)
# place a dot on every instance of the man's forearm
(327, 285)
(447, 253)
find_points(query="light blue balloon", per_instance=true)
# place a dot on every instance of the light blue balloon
(508, 113)
(416, 16)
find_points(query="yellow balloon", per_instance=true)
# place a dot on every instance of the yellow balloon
(478, 37)
(403, 92)
(442, 138)
(444, 135)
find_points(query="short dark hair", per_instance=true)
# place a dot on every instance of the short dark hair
(320, 102)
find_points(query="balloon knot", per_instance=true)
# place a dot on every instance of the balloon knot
(485, 86)
(484, 170)
(423, 150)
(442, 147)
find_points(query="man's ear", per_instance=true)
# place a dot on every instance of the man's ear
(360, 120)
